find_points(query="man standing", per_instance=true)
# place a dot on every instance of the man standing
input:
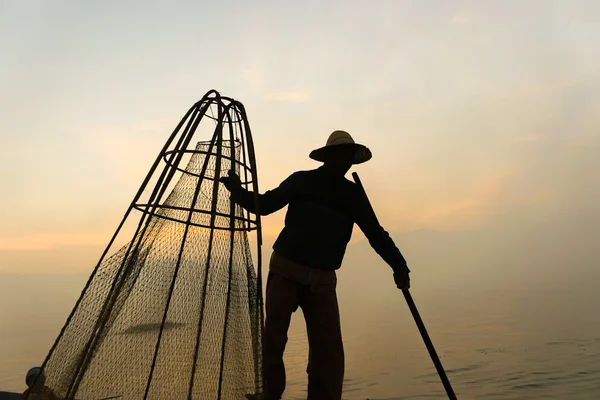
(322, 209)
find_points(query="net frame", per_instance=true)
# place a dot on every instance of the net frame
(232, 130)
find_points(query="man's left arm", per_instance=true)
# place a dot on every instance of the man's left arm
(382, 243)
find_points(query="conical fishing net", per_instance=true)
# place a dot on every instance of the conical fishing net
(176, 313)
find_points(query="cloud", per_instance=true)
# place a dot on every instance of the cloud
(296, 96)
(442, 203)
(473, 207)
(51, 241)
(129, 149)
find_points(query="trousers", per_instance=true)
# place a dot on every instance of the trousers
(289, 286)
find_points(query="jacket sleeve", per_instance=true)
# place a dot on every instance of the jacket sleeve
(379, 238)
(270, 201)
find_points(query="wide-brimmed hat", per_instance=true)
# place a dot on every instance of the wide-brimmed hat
(342, 139)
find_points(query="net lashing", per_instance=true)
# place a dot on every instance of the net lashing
(176, 313)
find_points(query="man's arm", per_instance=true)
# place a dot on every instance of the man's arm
(381, 242)
(269, 202)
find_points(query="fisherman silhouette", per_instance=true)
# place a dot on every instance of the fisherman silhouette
(323, 206)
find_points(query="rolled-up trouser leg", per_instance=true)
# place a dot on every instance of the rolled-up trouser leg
(281, 301)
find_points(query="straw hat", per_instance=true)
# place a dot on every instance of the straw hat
(342, 139)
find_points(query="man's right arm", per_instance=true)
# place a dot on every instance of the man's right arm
(269, 202)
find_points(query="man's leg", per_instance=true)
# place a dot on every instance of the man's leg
(281, 302)
(326, 353)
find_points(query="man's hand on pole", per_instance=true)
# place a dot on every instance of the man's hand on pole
(402, 279)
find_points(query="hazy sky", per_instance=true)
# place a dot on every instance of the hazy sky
(479, 113)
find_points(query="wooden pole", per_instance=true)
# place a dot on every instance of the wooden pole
(415, 314)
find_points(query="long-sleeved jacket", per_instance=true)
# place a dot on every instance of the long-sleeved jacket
(322, 209)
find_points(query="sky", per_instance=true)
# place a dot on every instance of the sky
(481, 115)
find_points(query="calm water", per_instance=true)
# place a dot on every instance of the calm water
(504, 339)
(491, 347)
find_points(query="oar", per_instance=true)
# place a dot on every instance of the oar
(415, 313)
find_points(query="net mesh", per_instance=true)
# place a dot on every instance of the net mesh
(175, 313)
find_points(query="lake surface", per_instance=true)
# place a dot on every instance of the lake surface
(515, 337)
(491, 348)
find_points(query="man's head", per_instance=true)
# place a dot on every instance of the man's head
(341, 152)
(339, 159)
